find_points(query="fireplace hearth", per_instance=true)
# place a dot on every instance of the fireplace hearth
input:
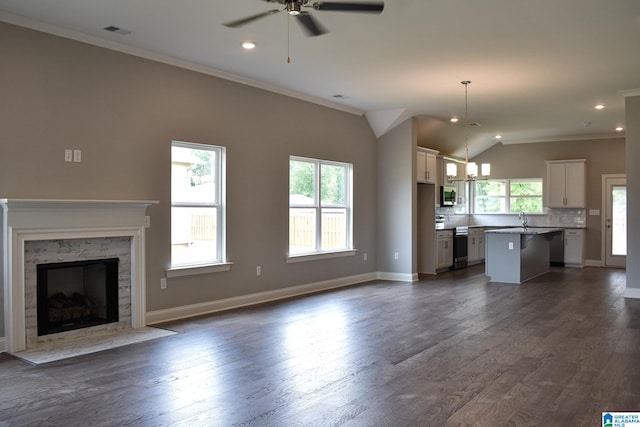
(78, 294)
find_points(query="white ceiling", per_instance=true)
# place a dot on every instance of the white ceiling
(537, 66)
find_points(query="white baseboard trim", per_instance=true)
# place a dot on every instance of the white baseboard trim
(632, 293)
(593, 263)
(176, 313)
(398, 277)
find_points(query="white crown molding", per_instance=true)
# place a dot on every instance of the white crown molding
(617, 135)
(631, 92)
(165, 59)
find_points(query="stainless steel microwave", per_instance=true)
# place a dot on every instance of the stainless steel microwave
(447, 195)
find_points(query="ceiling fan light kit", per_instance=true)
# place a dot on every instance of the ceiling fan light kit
(304, 18)
(293, 8)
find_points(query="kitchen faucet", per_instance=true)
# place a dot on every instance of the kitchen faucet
(523, 218)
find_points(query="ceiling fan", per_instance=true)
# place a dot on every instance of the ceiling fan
(308, 22)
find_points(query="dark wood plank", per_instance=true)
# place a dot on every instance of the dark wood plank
(448, 350)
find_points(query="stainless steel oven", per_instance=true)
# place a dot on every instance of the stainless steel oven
(460, 247)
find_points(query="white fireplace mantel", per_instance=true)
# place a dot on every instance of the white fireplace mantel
(40, 219)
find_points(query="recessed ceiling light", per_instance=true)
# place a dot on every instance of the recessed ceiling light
(619, 128)
(498, 136)
(599, 107)
(249, 45)
(454, 119)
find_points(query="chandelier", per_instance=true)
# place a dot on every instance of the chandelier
(471, 168)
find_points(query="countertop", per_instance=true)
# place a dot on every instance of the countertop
(527, 230)
(449, 227)
(494, 228)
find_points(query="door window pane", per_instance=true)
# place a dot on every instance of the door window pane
(619, 221)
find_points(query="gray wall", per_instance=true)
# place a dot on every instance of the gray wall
(604, 156)
(123, 112)
(396, 199)
(632, 113)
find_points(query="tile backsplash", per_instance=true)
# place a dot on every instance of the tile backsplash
(569, 218)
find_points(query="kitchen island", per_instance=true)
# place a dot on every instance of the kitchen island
(515, 255)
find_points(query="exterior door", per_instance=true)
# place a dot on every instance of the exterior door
(615, 220)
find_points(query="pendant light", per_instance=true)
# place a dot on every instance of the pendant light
(471, 168)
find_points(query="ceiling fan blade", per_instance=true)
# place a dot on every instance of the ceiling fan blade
(375, 7)
(248, 19)
(311, 25)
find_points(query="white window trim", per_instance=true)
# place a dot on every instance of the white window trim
(507, 196)
(318, 253)
(180, 270)
(192, 270)
(312, 256)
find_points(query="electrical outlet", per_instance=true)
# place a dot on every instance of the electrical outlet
(510, 246)
(396, 255)
(163, 283)
(258, 271)
(77, 156)
(68, 155)
(365, 256)
(147, 221)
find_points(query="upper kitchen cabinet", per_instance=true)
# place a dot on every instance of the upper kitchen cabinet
(426, 165)
(566, 182)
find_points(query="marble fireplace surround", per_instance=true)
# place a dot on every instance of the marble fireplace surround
(25, 220)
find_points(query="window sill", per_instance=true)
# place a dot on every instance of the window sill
(320, 255)
(192, 270)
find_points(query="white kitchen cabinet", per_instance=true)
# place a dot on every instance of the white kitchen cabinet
(426, 211)
(566, 182)
(426, 170)
(574, 247)
(444, 249)
(475, 246)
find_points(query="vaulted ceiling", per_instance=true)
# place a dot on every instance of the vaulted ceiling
(537, 68)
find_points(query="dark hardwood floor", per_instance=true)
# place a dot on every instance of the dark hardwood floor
(451, 350)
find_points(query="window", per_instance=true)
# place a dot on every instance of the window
(508, 195)
(319, 206)
(197, 204)
(525, 195)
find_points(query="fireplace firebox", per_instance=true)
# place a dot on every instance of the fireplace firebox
(77, 294)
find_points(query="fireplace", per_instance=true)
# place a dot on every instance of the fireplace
(42, 231)
(77, 294)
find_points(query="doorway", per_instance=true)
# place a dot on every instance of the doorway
(614, 227)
